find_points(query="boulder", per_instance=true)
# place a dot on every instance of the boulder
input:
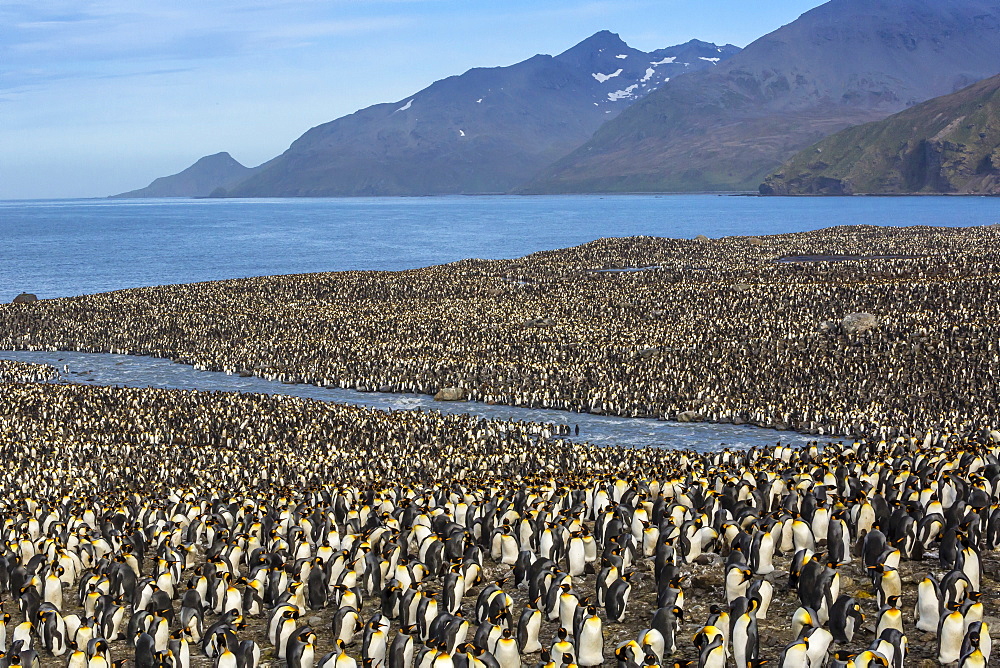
(25, 298)
(755, 241)
(702, 239)
(858, 323)
(451, 394)
(688, 416)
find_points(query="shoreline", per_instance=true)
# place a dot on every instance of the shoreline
(633, 432)
(327, 384)
(709, 330)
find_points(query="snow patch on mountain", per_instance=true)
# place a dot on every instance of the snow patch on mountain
(623, 94)
(601, 78)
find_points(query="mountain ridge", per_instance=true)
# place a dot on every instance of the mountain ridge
(843, 63)
(949, 144)
(484, 131)
(201, 179)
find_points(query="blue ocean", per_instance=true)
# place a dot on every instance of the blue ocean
(59, 248)
(72, 247)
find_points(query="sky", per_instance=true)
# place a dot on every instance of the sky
(102, 96)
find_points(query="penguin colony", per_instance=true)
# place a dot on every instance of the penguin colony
(717, 330)
(177, 529)
(24, 372)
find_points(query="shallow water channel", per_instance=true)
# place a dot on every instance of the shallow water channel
(133, 371)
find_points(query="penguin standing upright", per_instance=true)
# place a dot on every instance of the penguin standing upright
(746, 644)
(374, 643)
(590, 640)
(982, 629)
(887, 583)
(301, 649)
(345, 624)
(762, 553)
(889, 617)
(838, 540)
(895, 641)
(761, 591)
(52, 631)
(951, 633)
(528, 625)
(795, 655)
(712, 654)
(818, 641)
(928, 606)
(505, 651)
(617, 599)
(317, 587)
(561, 644)
(402, 648)
(284, 631)
(737, 580)
(576, 555)
(667, 621)
(845, 619)
(972, 655)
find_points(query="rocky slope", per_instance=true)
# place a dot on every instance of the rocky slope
(950, 144)
(485, 131)
(199, 180)
(843, 63)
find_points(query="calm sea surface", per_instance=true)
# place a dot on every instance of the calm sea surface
(71, 247)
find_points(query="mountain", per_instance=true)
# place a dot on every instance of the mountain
(485, 131)
(950, 144)
(844, 63)
(199, 180)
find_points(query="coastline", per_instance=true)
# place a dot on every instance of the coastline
(564, 330)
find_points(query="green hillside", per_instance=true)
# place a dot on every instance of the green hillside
(950, 144)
